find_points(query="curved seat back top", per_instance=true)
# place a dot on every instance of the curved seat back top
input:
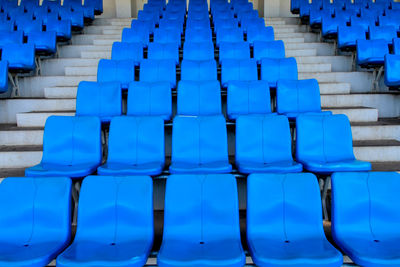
(294, 97)
(192, 24)
(143, 26)
(122, 71)
(247, 23)
(127, 51)
(387, 33)
(136, 35)
(198, 50)
(152, 70)
(265, 34)
(274, 69)
(35, 220)
(141, 152)
(150, 99)
(198, 70)
(199, 98)
(103, 100)
(121, 209)
(371, 239)
(348, 36)
(287, 230)
(167, 36)
(163, 51)
(264, 144)
(271, 49)
(71, 147)
(210, 234)
(231, 35)
(248, 97)
(331, 148)
(238, 70)
(199, 145)
(240, 50)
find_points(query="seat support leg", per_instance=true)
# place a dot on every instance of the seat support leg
(15, 84)
(327, 182)
(38, 64)
(377, 74)
(75, 197)
(353, 61)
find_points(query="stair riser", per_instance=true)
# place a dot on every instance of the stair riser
(381, 132)
(378, 154)
(358, 115)
(37, 119)
(19, 159)
(74, 51)
(57, 67)
(14, 138)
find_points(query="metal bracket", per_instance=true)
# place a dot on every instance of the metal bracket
(38, 64)
(327, 182)
(377, 74)
(15, 84)
(75, 197)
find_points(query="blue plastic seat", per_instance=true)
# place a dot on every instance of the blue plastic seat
(240, 50)
(122, 71)
(35, 220)
(20, 57)
(295, 97)
(192, 24)
(248, 97)
(160, 51)
(265, 34)
(136, 35)
(273, 49)
(386, 33)
(231, 35)
(390, 20)
(364, 22)
(7, 25)
(149, 15)
(61, 27)
(150, 99)
(136, 146)
(238, 70)
(3, 76)
(76, 17)
(371, 197)
(371, 53)
(199, 145)
(103, 100)
(264, 144)
(28, 26)
(127, 51)
(220, 24)
(348, 36)
(201, 35)
(331, 24)
(223, 14)
(247, 23)
(275, 69)
(124, 217)
(7, 37)
(167, 36)
(211, 237)
(44, 42)
(198, 50)
(331, 148)
(199, 98)
(396, 46)
(169, 24)
(198, 70)
(392, 66)
(143, 25)
(152, 70)
(71, 147)
(316, 16)
(287, 229)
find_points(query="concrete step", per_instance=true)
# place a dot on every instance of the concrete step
(339, 63)
(38, 119)
(289, 28)
(20, 156)
(289, 40)
(389, 166)
(60, 92)
(96, 54)
(312, 68)
(377, 150)
(73, 71)
(334, 88)
(383, 129)
(360, 81)
(111, 21)
(102, 29)
(387, 104)
(56, 67)
(90, 38)
(9, 108)
(356, 114)
(116, 31)
(11, 135)
(300, 52)
(308, 37)
(323, 49)
(74, 51)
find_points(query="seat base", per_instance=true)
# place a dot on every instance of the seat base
(74, 171)
(276, 167)
(214, 167)
(154, 168)
(340, 166)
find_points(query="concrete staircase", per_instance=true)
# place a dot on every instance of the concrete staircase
(374, 116)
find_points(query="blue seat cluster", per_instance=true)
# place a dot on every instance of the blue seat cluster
(29, 28)
(369, 28)
(116, 151)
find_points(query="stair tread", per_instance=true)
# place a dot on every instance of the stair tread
(14, 127)
(22, 148)
(376, 143)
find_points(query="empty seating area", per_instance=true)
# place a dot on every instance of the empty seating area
(200, 143)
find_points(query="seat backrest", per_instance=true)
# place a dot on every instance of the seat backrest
(141, 35)
(387, 32)
(238, 70)
(72, 140)
(28, 26)
(348, 35)
(368, 50)
(199, 98)
(274, 69)
(298, 96)
(332, 138)
(240, 50)
(131, 51)
(142, 25)
(229, 35)
(148, 15)
(35, 210)
(3, 76)
(247, 23)
(198, 50)
(103, 100)
(365, 23)
(392, 65)
(136, 140)
(167, 36)
(163, 51)
(168, 24)
(374, 210)
(122, 71)
(19, 56)
(220, 23)
(272, 49)
(248, 97)
(121, 208)
(192, 24)
(291, 208)
(199, 139)
(152, 70)
(150, 99)
(198, 70)
(211, 214)
(265, 34)
(7, 37)
(263, 139)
